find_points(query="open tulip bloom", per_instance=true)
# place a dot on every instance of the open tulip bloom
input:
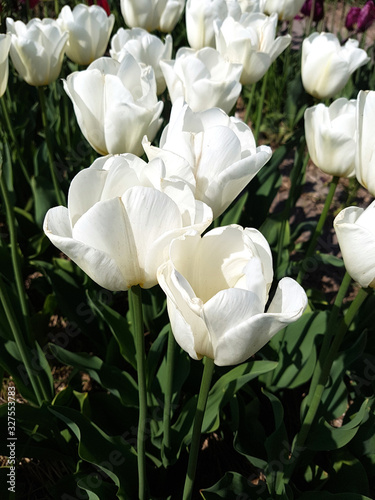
(355, 230)
(151, 15)
(250, 41)
(37, 49)
(220, 151)
(115, 104)
(145, 48)
(122, 214)
(89, 30)
(203, 78)
(326, 65)
(217, 289)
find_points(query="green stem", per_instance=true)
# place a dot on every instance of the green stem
(57, 8)
(319, 227)
(11, 221)
(327, 338)
(168, 392)
(135, 300)
(324, 374)
(260, 106)
(42, 100)
(195, 440)
(249, 103)
(14, 139)
(20, 342)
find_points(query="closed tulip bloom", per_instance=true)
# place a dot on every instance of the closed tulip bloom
(365, 151)
(327, 66)
(122, 215)
(330, 136)
(89, 30)
(203, 78)
(285, 9)
(115, 104)
(37, 49)
(217, 289)
(5, 41)
(313, 6)
(252, 5)
(252, 42)
(219, 149)
(162, 15)
(145, 48)
(355, 230)
(200, 17)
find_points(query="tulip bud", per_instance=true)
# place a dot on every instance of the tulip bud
(327, 66)
(5, 41)
(285, 9)
(365, 151)
(37, 49)
(330, 133)
(151, 15)
(89, 30)
(355, 230)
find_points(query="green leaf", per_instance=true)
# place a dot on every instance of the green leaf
(119, 383)
(233, 214)
(227, 386)
(295, 346)
(324, 437)
(234, 486)
(44, 197)
(110, 454)
(119, 328)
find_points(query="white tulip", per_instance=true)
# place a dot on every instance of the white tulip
(220, 150)
(122, 215)
(326, 65)
(162, 15)
(285, 9)
(355, 230)
(37, 49)
(203, 78)
(145, 48)
(115, 104)
(217, 289)
(250, 41)
(330, 136)
(89, 30)
(200, 16)
(365, 152)
(5, 41)
(252, 5)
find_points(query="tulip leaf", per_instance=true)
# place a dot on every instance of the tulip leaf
(346, 474)
(326, 495)
(324, 437)
(119, 328)
(297, 352)
(234, 485)
(227, 386)
(44, 197)
(110, 454)
(119, 383)
(233, 213)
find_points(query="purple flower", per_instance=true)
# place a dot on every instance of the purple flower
(360, 19)
(318, 9)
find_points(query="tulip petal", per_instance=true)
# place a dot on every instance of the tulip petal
(235, 344)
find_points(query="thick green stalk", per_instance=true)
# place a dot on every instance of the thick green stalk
(168, 392)
(319, 227)
(14, 140)
(195, 440)
(20, 342)
(135, 301)
(324, 374)
(327, 338)
(260, 106)
(249, 103)
(56, 186)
